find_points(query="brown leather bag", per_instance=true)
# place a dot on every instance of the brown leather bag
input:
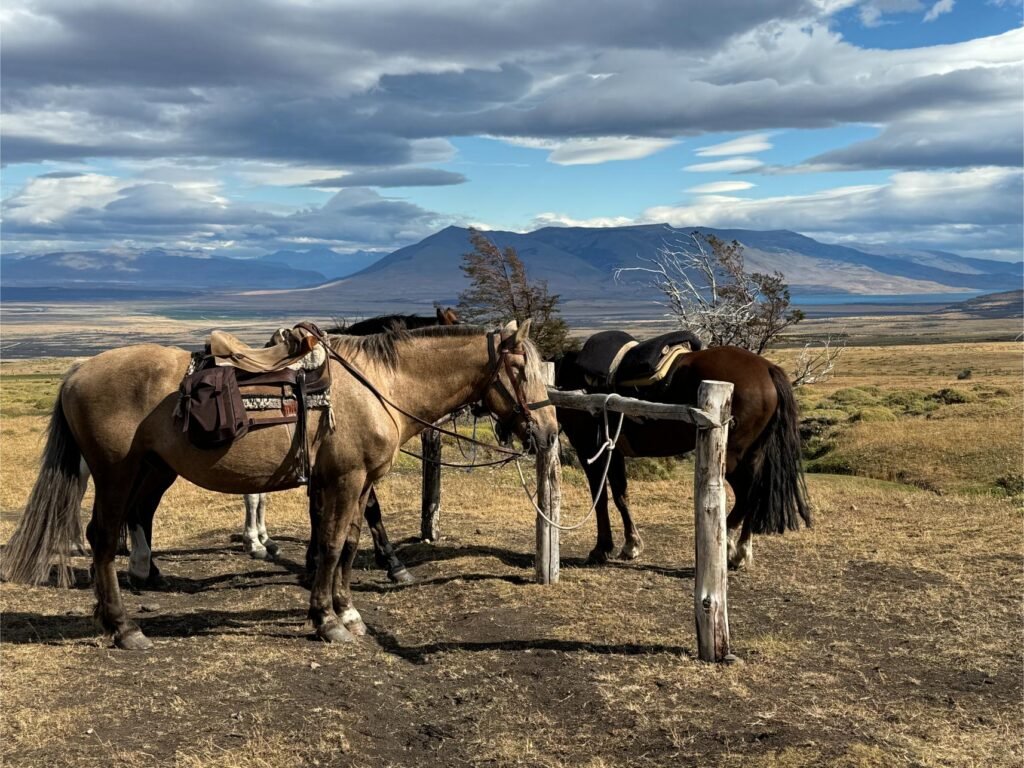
(210, 407)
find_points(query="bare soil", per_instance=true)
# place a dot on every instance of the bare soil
(887, 635)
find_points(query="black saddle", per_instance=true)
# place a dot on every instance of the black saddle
(612, 359)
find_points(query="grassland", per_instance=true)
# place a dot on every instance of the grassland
(888, 635)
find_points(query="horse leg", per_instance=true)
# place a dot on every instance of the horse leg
(272, 547)
(619, 484)
(340, 502)
(741, 553)
(251, 541)
(314, 535)
(143, 572)
(113, 495)
(342, 596)
(383, 553)
(598, 489)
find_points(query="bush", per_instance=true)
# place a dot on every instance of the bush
(651, 469)
(951, 396)
(853, 396)
(964, 374)
(910, 402)
(874, 413)
(1012, 483)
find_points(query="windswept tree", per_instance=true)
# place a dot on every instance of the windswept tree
(500, 290)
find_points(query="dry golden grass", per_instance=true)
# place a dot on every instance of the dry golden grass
(888, 635)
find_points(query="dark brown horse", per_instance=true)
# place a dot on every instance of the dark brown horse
(763, 455)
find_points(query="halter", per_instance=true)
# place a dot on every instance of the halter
(498, 358)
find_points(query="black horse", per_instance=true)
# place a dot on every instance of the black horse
(763, 453)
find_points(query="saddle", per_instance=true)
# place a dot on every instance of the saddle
(614, 359)
(231, 388)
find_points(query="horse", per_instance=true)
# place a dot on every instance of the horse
(143, 572)
(762, 457)
(115, 413)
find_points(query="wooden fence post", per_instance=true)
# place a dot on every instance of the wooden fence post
(711, 565)
(430, 510)
(549, 499)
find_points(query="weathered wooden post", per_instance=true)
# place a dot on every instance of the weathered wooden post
(549, 499)
(711, 557)
(430, 510)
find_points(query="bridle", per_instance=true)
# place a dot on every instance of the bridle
(499, 359)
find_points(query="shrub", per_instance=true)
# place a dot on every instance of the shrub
(650, 468)
(1012, 483)
(964, 374)
(911, 402)
(951, 396)
(874, 413)
(853, 396)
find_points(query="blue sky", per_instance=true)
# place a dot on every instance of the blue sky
(243, 127)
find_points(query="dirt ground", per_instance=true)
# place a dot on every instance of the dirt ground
(888, 635)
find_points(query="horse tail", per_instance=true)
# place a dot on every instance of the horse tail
(51, 523)
(777, 499)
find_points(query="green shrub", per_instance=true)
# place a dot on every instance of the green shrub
(910, 402)
(1012, 483)
(951, 396)
(853, 396)
(650, 468)
(874, 413)
(964, 374)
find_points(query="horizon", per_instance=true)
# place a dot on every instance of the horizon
(853, 122)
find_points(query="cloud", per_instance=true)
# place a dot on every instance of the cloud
(592, 151)
(391, 177)
(95, 210)
(994, 139)
(720, 187)
(975, 210)
(549, 219)
(873, 12)
(940, 7)
(745, 145)
(732, 165)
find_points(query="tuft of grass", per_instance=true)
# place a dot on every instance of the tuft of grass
(874, 413)
(952, 396)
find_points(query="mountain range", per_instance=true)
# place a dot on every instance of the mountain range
(578, 263)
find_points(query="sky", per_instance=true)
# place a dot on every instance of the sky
(240, 127)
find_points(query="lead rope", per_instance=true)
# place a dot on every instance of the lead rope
(609, 446)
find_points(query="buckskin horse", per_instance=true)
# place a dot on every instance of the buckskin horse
(762, 457)
(115, 413)
(143, 572)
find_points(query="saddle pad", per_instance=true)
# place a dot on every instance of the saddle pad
(295, 345)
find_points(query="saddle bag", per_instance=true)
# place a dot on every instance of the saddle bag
(210, 407)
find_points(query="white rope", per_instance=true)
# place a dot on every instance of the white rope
(609, 446)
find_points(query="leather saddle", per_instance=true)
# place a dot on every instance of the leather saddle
(277, 384)
(615, 359)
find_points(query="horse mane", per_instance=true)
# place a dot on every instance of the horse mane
(383, 323)
(383, 348)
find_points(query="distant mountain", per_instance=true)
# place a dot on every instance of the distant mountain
(579, 263)
(327, 262)
(153, 269)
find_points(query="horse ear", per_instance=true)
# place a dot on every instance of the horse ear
(510, 327)
(523, 331)
(440, 316)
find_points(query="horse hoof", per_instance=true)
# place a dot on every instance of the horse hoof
(631, 551)
(334, 632)
(401, 576)
(260, 553)
(273, 548)
(133, 640)
(597, 557)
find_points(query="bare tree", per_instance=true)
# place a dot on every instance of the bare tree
(707, 289)
(816, 362)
